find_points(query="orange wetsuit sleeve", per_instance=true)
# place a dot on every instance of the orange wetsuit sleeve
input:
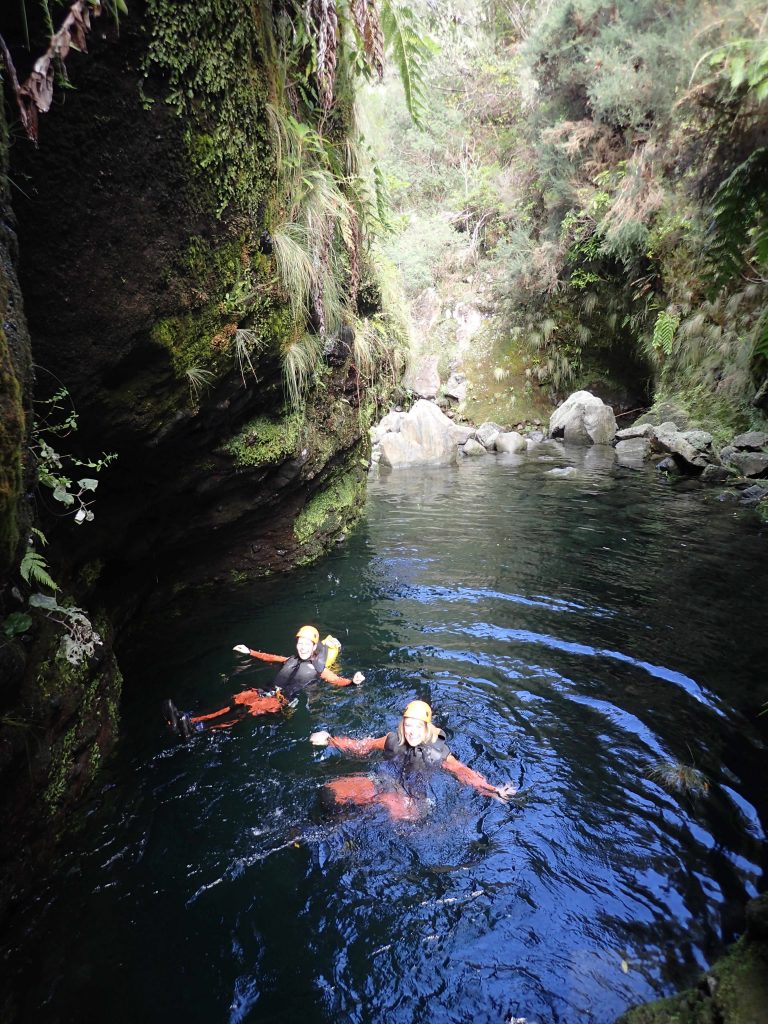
(361, 747)
(467, 775)
(331, 677)
(267, 657)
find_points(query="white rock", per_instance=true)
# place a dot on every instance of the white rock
(511, 441)
(583, 418)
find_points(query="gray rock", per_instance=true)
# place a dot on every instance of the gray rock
(727, 453)
(422, 378)
(425, 438)
(633, 452)
(750, 463)
(666, 411)
(583, 419)
(753, 440)
(700, 439)
(752, 495)
(717, 474)
(727, 496)
(667, 438)
(456, 387)
(629, 433)
(487, 434)
(389, 423)
(473, 447)
(535, 437)
(667, 465)
(511, 441)
(562, 471)
(462, 433)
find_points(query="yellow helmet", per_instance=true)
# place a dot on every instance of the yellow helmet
(420, 710)
(310, 633)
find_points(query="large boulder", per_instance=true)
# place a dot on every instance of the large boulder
(583, 418)
(425, 438)
(389, 424)
(633, 452)
(753, 440)
(750, 463)
(423, 378)
(487, 434)
(636, 430)
(462, 432)
(456, 387)
(668, 439)
(511, 441)
(473, 447)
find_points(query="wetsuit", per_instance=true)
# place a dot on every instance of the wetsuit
(402, 791)
(293, 676)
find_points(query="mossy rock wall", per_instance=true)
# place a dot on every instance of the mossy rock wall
(140, 220)
(139, 217)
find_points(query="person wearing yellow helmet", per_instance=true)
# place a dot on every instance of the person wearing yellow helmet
(297, 671)
(416, 747)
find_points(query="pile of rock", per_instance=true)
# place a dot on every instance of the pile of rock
(425, 436)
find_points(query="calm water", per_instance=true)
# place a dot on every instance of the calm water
(569, 633)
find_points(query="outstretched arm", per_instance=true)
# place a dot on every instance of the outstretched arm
(330, 677)
(470, 777)
(347, 744)
(242, 649)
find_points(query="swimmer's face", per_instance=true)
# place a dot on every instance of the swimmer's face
(415, 731)
(304, 647)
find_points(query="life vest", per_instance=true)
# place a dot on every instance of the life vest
(295, 674)
(426, 755)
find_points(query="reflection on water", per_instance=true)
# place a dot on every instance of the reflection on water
(570, 633)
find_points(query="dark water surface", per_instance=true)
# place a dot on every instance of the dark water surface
(569, 633)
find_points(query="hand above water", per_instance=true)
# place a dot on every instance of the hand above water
(320, 739)
(241, 649)
(505, 792)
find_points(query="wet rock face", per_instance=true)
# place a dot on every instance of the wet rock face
(134, 278)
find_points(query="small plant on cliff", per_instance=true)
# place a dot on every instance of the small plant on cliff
(197, 379)
(56, 417)
(80, 638)
(300, 358)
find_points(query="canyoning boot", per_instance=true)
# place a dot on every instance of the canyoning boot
(171, 716)
(186, 726)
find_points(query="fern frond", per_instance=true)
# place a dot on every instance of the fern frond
(740, 222)
(412, 50)
(664, 332)
(34, 569)
(760, 347)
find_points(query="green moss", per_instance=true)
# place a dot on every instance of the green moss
(331, 510)
(207, 54)
(738, 993)
(12, 427)
(60, 769)
(266, 441)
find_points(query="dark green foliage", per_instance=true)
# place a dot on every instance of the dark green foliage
(740, 222)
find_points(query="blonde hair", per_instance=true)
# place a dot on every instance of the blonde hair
(432, 733)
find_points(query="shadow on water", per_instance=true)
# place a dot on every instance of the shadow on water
(571, 631)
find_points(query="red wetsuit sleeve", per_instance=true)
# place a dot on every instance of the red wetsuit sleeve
(331, 677)
(361, 747)
(468, 776)
(267, 657)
